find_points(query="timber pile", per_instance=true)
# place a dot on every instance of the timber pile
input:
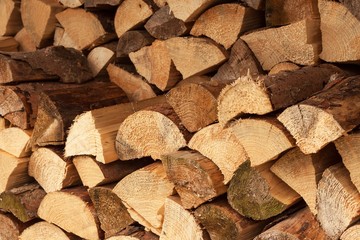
(189, 120)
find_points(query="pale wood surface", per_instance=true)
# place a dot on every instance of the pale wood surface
(351, 233)
(98, 59)
(43, 231)
(72, 3)
(15, 141)
(189, 10)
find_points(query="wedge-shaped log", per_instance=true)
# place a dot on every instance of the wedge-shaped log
(15, 141)
(135, 232)
(98, 59)
(8, 44)
(283, 66)
(132, 41)
(26, 44)
(352, 232)
(10, 20)
(72, 3)
(189, 10)
(44, 231)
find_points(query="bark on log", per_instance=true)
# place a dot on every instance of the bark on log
(15, 141)
(44, 231)
(8, 44)
(134, 232)
(10, 227)
(353, 6)
(10, 17)
(26, 44)
(97, 5)
(132, 41)
(189, 10)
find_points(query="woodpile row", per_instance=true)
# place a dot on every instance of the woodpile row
(189, 120)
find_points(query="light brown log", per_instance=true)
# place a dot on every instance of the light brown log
(134, 232)
(351, 233)
(189, 10)
(338, 201)
(8, 44)
(132, 41)
(72, 3)
(224, 23)
(15, 141)
(98, 59)
(26, 44)
(353, 6)
(10, 17)
(45, 231)
(324, 117)
(283, 66)
(303, 172)
(196, 178)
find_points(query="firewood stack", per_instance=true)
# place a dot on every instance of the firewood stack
(189, 120)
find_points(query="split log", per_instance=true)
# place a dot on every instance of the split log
(148, 186)
(72, 3)
(132, 41)
(303, 172)
(353, 6)
(195, 56)
(101, 4)
(98, 59)
(15, 141)
(134, 232)
(10, 20)
(8, 44)
(94, 173)
(257, 193)
(44, 231)
(264, 94)
(40, 26)
(255, 4)
(224, 223)
(300, 225)
(51, 170)
(10, 227)
(71, 210)
(324, 117)
(338, 201)
(196, 178)
(283, 66)
(224, 23)
(189, 10)
(222, 147)
(351, 233)
(26, 44)
(23, 202)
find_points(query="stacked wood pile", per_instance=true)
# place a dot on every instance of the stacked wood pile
(168, 119)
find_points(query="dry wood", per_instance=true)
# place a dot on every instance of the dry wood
(72, 3)
(324, 117)
(98, 59)
(189, 10)
(10, 17)
(10, 227)
(195, 56)
(132, 41)
(303, 172)
(8, 44)
(283, 66)
(196, 178)
(15, 141)
(221, 146)
(353, 6)
(94, 173)
(97, 5)
(338, 201)
(52, 171)
(255, 4)
(224, 23)
(71, 210)
(264, 94)
(134, 232)
(257, 193)
(26, 44)
(45, 231)
(351, 233)
(40, 26)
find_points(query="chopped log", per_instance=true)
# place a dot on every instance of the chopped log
(303, 172)
(196, 178)
(15, 141)
(10, 20)
(101, 4)
(71, 210)
(40, 26)
(134, 232)
(255, 4)
(221, 146)
(26, 44)
(189, 10)
(224, 223)
(135, 87)
(293, 45)
(148, 186)
(324, 117)
(283, 66)
(351, 233)
(23, 202)
(195, 56)
(132, 41)
(241, 63)
(224, 23)
(131, 14)
(85, 29)
(264, 94)
(164, 25)
(58, 108)
(300, 225)
(98, 59)
(257, 193)
(8, 44)
(353, 6)
(4, 123)
(51, 170)
(72, 3)
(44, 231)
(66, 64)
(94, 173)
(180, 223)
(160, 3)
(10, 227)
(338, 26)
(338, 201)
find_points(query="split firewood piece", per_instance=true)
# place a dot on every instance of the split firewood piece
(223, 222)
(86, 29)
(303, 172)
(264, 94)
(263, 139)
(221, 146)
(241, 63)
(324, 117)
(351, 233)
(72, 210)
(255, 4)
(94, 132)
(8, 44)
(338, 201)
(10, 17)
(196, 178)
(51, 170)
(131, 14)
(292, 46)
(189, 10)
(58, 108)
(144, 192)
(3, 123)
(26, 44)
(132, 41)
(258, 193)
(338, 26)
(164, 25)
(101, 4)
(23, 202)
(195, 56)
(94, 173)
(72, 3)
(353, 6)
(348, 147)
(66, 64)
(10, 227)
(40, 26)
(160, 3)
(179, 223)
(283, 66)
(15, 141)
(98, 59)
(112, 213)
(134, 232)
(224, 23)
(14, 171)
(135, 87)
(300, 225)
(43, 231)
